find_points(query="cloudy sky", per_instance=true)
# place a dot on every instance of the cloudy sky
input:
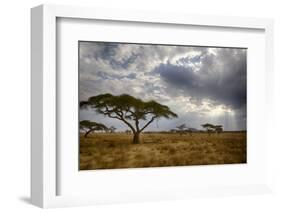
(200, 84)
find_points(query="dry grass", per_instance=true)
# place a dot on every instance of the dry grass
(111, 151)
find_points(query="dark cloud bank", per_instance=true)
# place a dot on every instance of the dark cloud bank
(222, 78)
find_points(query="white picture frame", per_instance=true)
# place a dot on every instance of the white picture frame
(44, 154)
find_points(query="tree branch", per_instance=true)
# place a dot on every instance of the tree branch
(137, 124)
(149, 122)
(120, 116)
(128, 124)
(111, 116)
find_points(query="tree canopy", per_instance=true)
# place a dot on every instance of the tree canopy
(212, 128)
(91, 126)
(129, 110)
(208, 126)
(218, 128)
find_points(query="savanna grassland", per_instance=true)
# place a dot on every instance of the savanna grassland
(115, 150)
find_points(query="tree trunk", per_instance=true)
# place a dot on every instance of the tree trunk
(136, 139)
(87, 133)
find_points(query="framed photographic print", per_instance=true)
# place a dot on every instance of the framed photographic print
(152, 105)
(149, 106)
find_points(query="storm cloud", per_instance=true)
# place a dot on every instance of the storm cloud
(220, 78)
(200, 84)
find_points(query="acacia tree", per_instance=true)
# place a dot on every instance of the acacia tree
(212, 128)
(173, 130)
(127, 131)
(218, 128)
(112, 129)
(209, 127)
(128, 110)
(91, 126)
(190, 130)
(181, 128)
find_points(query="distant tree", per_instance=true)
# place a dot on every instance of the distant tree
(128, 131)
(91, 126)
(127, 109)
(212, 128)
(181, 128)
(209, 127)
(173, 130)
(111, 129)
(218, 128)
(189, 130)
